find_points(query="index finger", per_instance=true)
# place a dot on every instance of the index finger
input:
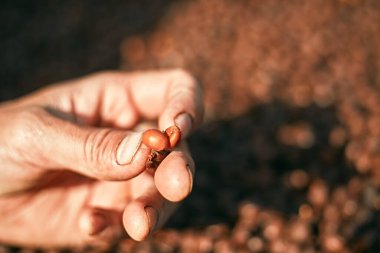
(173, 97)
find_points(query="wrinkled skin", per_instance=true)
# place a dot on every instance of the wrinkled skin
(66, 181)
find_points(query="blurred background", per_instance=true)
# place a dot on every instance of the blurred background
(288, 159)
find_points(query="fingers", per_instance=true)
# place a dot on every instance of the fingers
(147, 213)
(156, 197)
(174, 97)
(100, 227)
(96, 221)
(103, 100)
(92, 221)
(120, 100)
(152, 201)
(136, 204)
(53, 143)
(100, 153)
(174, 176)
(140, 219)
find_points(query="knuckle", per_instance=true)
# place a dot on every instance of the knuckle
(111, 78)
(27, 126)
(184, 75)
(106, 74)
(105, 77)
(23, 132)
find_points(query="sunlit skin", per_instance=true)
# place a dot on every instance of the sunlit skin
(73, 163)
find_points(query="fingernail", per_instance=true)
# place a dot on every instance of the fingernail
(191, 178)
(128, 148)
(152, 215)
(184, 122)
(93, 223)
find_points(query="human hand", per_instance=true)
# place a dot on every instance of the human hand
(73, 167)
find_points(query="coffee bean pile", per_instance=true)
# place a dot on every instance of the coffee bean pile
(289, 160)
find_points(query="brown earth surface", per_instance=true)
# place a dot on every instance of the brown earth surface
(288, 159)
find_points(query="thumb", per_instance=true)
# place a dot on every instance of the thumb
(102, 153)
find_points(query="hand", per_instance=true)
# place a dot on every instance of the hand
(73, 165)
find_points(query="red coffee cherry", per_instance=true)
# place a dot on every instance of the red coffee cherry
(174, 134)
(160, 143)
(155, 139)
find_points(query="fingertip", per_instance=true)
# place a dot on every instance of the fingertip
(103, 153)
(92, 222)
(136, 166)
(118, 172)
(190, 171)
(128, 148)
(139, 221)
(127, 119)
(100, 227)
(152, 216)
(174, 178)
(184, 122)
